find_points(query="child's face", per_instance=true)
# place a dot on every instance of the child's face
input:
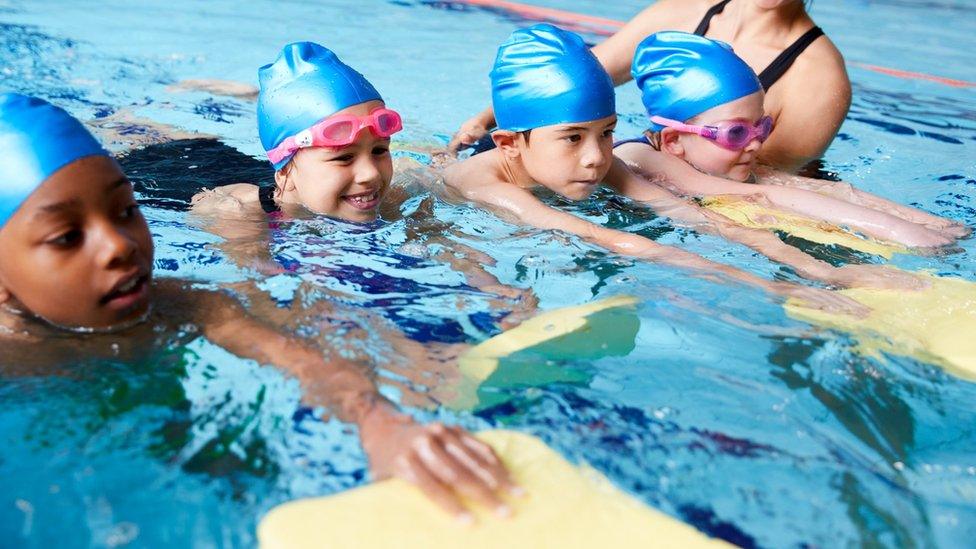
(347, 183)
(78, 252)
(569, 159)
(708, 156)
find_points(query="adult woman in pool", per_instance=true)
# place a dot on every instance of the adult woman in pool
(777, 38)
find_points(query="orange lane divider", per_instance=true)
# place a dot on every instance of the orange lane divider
(605, 27)
(915, 75)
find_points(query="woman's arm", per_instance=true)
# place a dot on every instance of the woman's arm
(443, 461)
(616, 53)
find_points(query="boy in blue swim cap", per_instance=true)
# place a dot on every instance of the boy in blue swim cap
(76, 255)
(705, 107)
(554, 104)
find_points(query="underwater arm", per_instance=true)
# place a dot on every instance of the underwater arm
(442, 461)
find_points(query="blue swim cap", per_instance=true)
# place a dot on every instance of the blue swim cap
(544, 75)
(36, 140)
(304, 85)
(682, 75)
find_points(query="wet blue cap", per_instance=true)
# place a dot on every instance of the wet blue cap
(36, 140)
(544, 75)
(682, 75)
(305, 84)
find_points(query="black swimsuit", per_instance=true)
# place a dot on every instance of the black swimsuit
(783, 62)
(266, 197)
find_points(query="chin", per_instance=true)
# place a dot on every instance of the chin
(740, 173)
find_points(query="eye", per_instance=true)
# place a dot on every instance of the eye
(343, 159)
(130, 211)
(738, 132)
(67, 239)
(608, 133)
(380, 151)
(575, 138)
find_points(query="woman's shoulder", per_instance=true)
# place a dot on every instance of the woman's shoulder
(823, 60)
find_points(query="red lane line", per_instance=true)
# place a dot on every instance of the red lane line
(915, 75)
(537, 12)
(582, 22)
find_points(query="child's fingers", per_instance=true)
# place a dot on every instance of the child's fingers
(487, 455)
(449, 462)
(419, 474)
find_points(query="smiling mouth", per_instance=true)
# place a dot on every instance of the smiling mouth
(364, 201)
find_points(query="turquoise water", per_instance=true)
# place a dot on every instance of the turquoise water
(727, 414)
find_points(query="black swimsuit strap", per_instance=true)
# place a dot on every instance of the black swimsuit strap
(707, 20)
(266, 197)
(785, 60)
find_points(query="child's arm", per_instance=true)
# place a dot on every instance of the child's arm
(665, 203)
(442, 461)
(847, 192)
(688, 181)
(512, 201)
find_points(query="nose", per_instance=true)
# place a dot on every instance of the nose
(116, 246)
(367, 170)
(753, 145)
(593, 156)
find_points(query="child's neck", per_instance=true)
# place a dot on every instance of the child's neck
(513, 171)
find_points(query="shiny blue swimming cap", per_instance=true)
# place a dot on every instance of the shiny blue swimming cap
(36, 140)
(305, 84)
(682, 75)
(544, 75)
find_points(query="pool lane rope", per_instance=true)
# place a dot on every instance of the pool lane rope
(606, 27)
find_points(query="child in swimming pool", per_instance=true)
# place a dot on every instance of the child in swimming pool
(706, 109)
(327, 134)
(76, 256)
(557, 132)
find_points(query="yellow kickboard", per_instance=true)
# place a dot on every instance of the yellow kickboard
(567, 507)
(601, 328)
(757, 216)
(935, 325)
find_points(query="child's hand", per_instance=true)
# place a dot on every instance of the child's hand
(444, 462)
(824, 300)
(952, 229)
(875, 276)
(469, 133)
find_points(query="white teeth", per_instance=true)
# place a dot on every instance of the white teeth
(364, 198)
(128, 286)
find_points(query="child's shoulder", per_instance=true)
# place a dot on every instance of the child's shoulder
(474, 172)
(236, 197)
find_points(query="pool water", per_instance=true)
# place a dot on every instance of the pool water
(727, 414)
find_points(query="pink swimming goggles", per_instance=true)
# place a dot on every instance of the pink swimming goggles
(338, 131)
(729, 134)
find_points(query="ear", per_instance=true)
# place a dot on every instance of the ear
(671, 144)
(282, 179)
(5, 295)
(507, 142)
